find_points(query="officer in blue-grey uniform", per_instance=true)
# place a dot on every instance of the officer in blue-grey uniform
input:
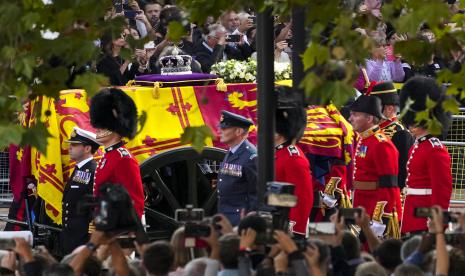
(237, 178)
(82, 146)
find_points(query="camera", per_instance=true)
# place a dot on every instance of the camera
(321, 228)
(426, 212)
(279, 198)
(349, 214)
(280, 194)
(112, 209)
(189, 214)
(194, 223)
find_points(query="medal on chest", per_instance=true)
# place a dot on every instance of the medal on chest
(231, 169)
(362, 151)
(82, 177)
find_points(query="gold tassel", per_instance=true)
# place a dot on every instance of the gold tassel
(131, 83)
(395, 220)
(220, 85)
(156, 90)
(91, 227)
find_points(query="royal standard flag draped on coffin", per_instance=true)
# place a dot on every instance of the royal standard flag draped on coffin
(168, 112)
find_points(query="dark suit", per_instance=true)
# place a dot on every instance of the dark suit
(237, 182)
(76, 225)
(207, 58)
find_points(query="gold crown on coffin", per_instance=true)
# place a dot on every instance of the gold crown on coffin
(176, 64)
(379, 211)
(331, 186)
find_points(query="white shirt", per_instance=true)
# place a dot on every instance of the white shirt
(83, 162)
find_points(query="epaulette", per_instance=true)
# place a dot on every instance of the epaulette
(435, 142)
(381, 137)
(293, 150)
(123, 152)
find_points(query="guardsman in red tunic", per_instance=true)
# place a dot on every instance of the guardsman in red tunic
(376, 167)
(291, 164)
(429, 179)
(114, 115)
(399, 135)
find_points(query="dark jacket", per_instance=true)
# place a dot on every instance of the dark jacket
(76, 222)
(109, 66)
(207, 58)
(237, 182)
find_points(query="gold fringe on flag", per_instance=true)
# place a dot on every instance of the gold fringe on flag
(220, 85)
(156, 90)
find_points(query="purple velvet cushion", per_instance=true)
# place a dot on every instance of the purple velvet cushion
(171, 78)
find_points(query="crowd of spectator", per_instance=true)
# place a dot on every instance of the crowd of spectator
(212, 42)
(253, 248)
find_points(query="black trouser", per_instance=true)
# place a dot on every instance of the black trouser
(75, 233)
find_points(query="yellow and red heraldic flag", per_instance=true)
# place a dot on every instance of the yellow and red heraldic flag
(167, 113)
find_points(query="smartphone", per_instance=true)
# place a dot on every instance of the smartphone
(118, 4)
(289, 42)
(349, 214)
(188, 214)
(233, 38)
(7, 244)
(389, 49)
(131, 14)
(426, 212)
(254, 19)
(195, 243)
(322, 228)
(126, 242)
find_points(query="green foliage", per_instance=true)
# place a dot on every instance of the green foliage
(35, 136)
(32, 63)
(196, 136)
(29, 64)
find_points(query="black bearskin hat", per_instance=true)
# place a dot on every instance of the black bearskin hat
(114, 110)
(386, 92)
(368, 105)
(418, 89)
(291, 117)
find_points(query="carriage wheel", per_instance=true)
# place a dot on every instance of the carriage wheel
(175, 178)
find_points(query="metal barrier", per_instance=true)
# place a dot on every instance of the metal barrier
(455, 142)
(5, 191)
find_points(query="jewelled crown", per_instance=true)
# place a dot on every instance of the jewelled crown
(176, 64)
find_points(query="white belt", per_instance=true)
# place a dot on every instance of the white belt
(412, 191)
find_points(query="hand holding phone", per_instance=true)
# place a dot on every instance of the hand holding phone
(350, 214)
(233, 38)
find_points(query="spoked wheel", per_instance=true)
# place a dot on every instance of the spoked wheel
(175, 178)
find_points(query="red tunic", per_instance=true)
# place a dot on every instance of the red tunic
(293, 167)
(118, 166)
(376, 161)
(429, 167)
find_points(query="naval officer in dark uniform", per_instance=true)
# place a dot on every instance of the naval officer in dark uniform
(82, 146)
(237, 178)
